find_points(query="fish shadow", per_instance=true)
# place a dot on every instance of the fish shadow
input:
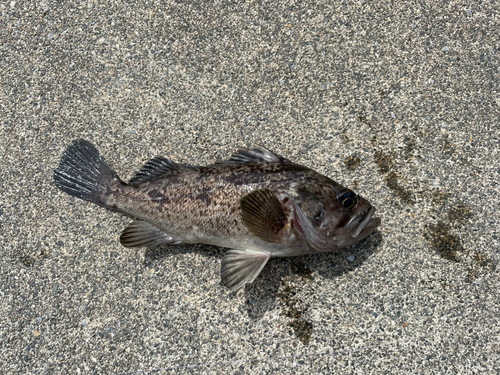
(261, 296)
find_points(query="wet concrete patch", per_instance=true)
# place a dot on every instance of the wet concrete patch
(385, 162)
(30, 260)
(352, 162)
(460, 214)
(441, 238)
(300, 269)
(294, 308)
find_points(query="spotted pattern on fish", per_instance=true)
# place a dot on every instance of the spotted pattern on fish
(257, 203)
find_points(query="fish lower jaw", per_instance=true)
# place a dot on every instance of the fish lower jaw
(369, 228)
(362, 222)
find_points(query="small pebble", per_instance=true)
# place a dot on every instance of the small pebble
(351, 258)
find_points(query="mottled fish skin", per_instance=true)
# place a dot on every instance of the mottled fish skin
(202, 204)
(305, 211)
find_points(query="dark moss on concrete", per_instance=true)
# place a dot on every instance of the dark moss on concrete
(441, 238)
(392, 180)
(295, 310)
(439, 197)
(303, 330)
(352, 162)
(384, 161)
(300, 269)
(460, 213)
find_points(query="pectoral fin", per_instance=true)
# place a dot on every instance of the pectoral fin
(240, 267)
(263, 215)
(143, 234)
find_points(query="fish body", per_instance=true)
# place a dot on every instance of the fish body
(257, 204)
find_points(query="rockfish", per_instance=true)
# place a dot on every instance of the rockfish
(257, 204)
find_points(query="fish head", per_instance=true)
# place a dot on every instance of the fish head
(330, 216)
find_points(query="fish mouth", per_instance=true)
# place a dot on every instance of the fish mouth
(362, 225)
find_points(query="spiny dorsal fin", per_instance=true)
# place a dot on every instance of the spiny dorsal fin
(240, 267)
(154, 169)
(256, 155)
(263, 215)
(143, 234)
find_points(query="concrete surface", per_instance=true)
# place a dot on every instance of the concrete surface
(399, 100)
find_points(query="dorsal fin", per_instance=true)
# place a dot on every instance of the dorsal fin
(154, 169)
(255, 155)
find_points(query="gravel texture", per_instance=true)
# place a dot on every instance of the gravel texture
(399, 100)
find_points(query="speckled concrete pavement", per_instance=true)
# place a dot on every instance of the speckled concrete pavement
(398, 100)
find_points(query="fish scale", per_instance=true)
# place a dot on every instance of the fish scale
(257, 204)
(192, 201)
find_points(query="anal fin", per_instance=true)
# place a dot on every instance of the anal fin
(143, 234)
(240, 267)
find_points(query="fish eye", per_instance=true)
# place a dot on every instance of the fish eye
(347, 199)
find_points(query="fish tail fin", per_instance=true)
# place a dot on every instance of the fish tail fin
(83, 173)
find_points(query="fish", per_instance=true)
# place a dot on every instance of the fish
(257, 204)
